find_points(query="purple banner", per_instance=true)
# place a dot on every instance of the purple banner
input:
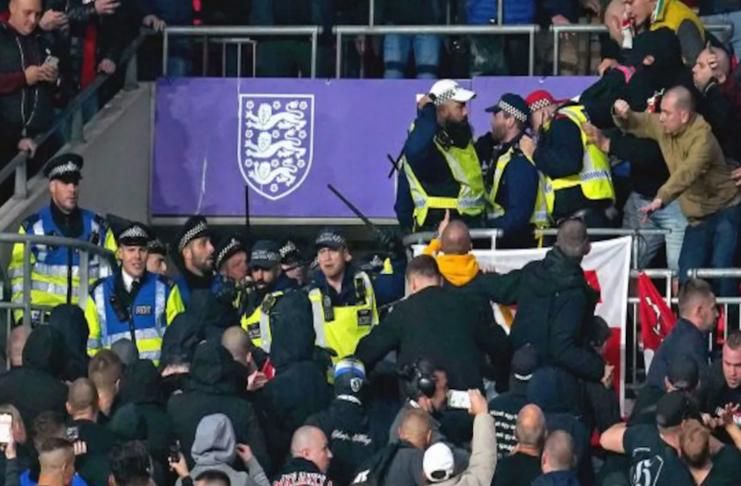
(286, 139)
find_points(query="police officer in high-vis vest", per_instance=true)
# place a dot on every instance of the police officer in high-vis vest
(342, 297)
(269, 283)
(439, 167)
(578, 181)
(132, 304)
(515, 191)
(55, 269)
(196, 261)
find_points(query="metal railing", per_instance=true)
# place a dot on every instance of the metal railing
(529, 30)
(311, 31)
(557, 30)
(83, 248)
(74, 113)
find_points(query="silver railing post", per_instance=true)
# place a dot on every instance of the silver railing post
(314, 47)
(556, 50)
(84, 273)
(338, 54)
(372, 13)
(131, 81)
(21, 179)
(531, 51)
(165, 51)
(26, 292)
(500, 12)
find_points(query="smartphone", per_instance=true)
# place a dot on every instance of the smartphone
(52, 61)
(72, 434)
(6, 428)
(459, 399)
(175, 451)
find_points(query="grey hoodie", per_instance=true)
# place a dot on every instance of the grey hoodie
(215, 448)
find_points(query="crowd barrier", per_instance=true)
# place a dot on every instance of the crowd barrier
(663, 278)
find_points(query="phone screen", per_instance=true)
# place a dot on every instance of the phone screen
(175, 451)
(6, 428)
(459, 399)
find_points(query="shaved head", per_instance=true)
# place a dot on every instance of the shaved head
(415, 427)
(310, 443)
(558, 453)
(82, 396)
(530, 429)
(238, 343)
(681, 97)
(456, 239)
(572, 238)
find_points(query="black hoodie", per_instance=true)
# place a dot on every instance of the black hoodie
(299, 388)
(554, 311)
(300, 472)
(35, 387)
(70, 321)
(212, 388)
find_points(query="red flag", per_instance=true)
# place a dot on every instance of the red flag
(656, 317)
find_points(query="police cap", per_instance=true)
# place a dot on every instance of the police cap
(65, 167)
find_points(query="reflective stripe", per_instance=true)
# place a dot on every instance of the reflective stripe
(160, 301)
(151, 355)
(57, 270)
(100, 308)
(315, 296)
(140, 334)
(46, 287)
(38, 229)
(265, 331)
(93, 343)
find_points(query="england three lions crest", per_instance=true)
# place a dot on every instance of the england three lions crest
(276, 142)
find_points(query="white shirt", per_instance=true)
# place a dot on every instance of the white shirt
(128, 280)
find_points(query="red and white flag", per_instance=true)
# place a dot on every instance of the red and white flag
(655, 317)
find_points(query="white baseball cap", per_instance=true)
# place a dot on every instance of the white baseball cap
(438, 463)
(449, 90)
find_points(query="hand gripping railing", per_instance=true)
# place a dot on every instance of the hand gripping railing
(557, 30)
(85, 250)
(528, 30)
(312, 31)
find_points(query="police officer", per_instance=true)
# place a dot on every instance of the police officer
(157, 257)
(578, 181)
(293, 263)
(516, 197)
(196, 257)
(231, 259)
(269, 285)
(439, 167)
(133, 303)
(342, 298)
(55, 269)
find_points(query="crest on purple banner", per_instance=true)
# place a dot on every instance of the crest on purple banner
(276, 142)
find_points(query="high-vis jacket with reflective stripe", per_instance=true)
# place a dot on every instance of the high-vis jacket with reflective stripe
(154, 306)
(53, 266)
(466, 169)
(349, 324)
(594, 178)
(257, 324)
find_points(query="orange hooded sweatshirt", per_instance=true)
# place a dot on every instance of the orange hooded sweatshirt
(457, 269)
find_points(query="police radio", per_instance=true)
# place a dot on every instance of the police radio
(122, 313)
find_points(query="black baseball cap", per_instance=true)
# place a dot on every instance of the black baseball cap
(683, 373)
(672, 409)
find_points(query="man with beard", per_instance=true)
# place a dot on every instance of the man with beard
(270, 284)
(439, 167)
(577, 173)
(515, 194)
(197, 258)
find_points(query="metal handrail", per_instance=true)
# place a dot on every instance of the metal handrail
(27, 240)
(557, 30)
(74, 111)
(313, 31)
(529, 30)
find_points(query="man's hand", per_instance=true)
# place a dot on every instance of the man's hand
(621, 109)
(53, 20)
(527, 145)
(592, 5)
(180, 467)
(596, 137)
(423, 101)
(560, 20)
(736, 175)
(245, 453)
(608, 375)
(607, 63)
(79, 447)
(443, 224)
(10, 452)
(153, 22)
(27, 145)
(650, 209)
(106, 7)
(38, 73)
(478, 403)
(256, 381)
(107, 66)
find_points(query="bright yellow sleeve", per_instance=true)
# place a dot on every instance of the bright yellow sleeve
(174, 304)
(110, 241)
(93, 325)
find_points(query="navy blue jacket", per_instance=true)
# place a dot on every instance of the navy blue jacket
(517, 193)
(684, 341)
(557, 478)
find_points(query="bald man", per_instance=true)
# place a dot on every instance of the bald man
(238, 343)
(557, 461)
(415, 435)
(523, 465)
(310, 458)
(699, 177)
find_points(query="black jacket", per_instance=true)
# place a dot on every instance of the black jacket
(554, 311)
(443, 325)
(70, 321)
(300, 472)
(35, 387)
(299, 388)
(214, 387)
(94, 466)
(346, 425)
(685, 341)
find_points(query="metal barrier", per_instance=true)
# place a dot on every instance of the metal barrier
(73, 112)
(557, 30)
(528, 30)
(312, 31)
(85, 250)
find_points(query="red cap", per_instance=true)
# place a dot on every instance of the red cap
(540, 99)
